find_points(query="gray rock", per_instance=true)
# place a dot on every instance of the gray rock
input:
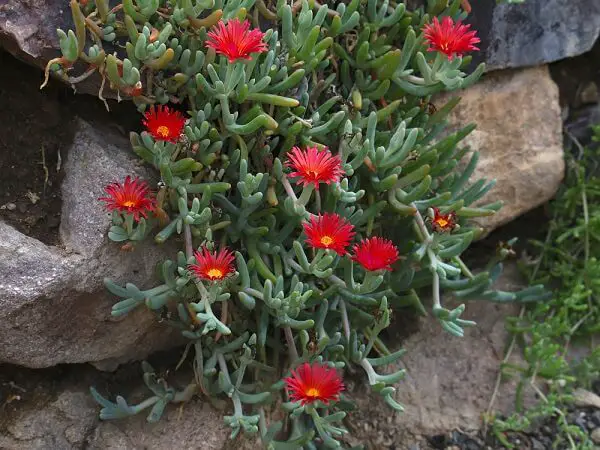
(518, 136)
(53, 305)
(585, 398)
(60, 414)
(28, 31)
(534, 32)
(596, 436)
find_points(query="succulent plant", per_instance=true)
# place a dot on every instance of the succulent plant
(309, 180)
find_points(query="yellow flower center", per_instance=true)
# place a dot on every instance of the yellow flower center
(326, 241)
(163, 131)
(215, 273)
(313, 392)
(442, 222)
(129, 203)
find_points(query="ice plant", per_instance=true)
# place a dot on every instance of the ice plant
(212, 266)
(312, 382)
(130, 197)
(235, 40)
(314, 166)
(164, 123)
(329, 231)
(375, 253)
(450, 38)
(443, 222)
(334, 101)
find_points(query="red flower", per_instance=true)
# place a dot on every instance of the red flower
(212, 265)
(375, 253)
(164, 124)
(310, 383)
(313, 166)
(131, 197)
(443, 222)
(450, 38)
(329, 231)
(235, 40)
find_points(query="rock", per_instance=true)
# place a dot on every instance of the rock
(518, 136)
(534, 32)
(585, 398)
(449, 381)
(60, 414)
(28, 31)
(595, 435)
(589, 93)
(579, 125)
(54, 307)
(199, 427)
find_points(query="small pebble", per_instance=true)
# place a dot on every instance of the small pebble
(589, 93)
(10, 206)
(537, 445)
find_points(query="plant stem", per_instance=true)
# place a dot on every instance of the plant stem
(345, 321)
(288, 188)
(237, 404)
(187, 236)
(421, 224)
(318, 201)
(289, 337)
(436, 290)
(306, 194)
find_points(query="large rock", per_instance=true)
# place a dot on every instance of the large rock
(518, 136)
(54, 308)
(534, 32)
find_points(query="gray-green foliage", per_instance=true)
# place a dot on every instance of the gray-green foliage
(355, 78)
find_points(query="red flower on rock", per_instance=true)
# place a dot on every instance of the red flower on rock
(213, 265)
(164, 124)
(329, 231)
(235, 40)
(443, 222)
(130, 197)
(310, 383)
(450, 38)
(375, 253)
(312, 166)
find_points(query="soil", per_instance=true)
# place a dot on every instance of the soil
(37, 132)
(38, 128)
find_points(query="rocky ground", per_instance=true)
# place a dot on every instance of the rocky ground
(58, 163)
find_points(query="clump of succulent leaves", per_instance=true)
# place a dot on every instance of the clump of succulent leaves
(308, 179)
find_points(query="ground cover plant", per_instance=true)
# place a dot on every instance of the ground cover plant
(566, 260)
(310, 182)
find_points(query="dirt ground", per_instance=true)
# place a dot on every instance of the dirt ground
(36, 130)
